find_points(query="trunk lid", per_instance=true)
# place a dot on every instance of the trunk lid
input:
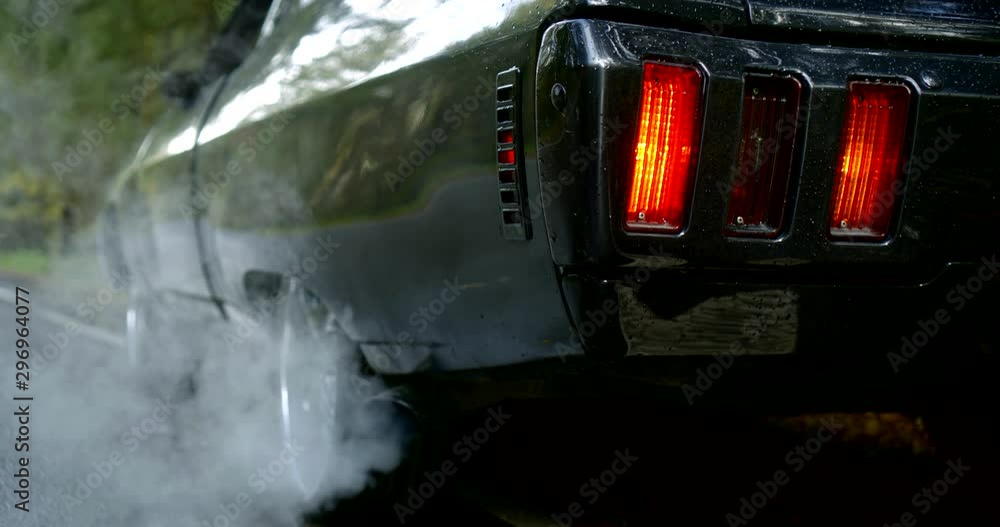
(968, 20)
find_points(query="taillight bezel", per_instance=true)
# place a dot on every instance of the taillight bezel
(584, 140)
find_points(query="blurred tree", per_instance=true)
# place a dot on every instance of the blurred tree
(79, 82)
(30, 209)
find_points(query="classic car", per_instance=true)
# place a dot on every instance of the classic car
(770, 204)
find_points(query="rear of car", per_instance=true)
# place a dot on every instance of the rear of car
(800, 193)
(741, 201)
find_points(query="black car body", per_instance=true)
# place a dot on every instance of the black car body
(355, 148)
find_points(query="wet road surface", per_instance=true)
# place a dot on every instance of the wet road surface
(622, 463)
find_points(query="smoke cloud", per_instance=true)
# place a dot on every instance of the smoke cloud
(197, 438)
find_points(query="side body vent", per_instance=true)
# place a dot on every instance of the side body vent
(514, 216)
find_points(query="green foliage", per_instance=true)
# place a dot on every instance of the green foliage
(24, 197)
(32, 211)
(66, 65)
(28, 262)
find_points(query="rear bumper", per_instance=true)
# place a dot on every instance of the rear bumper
(827, 307)
(882, 327)
(695, 339)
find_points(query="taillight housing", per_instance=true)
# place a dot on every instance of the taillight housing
(666, 149)
(769, 133)
(868, 183)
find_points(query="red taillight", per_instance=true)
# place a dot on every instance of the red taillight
(506, 157)
(871, 160)
(769, 128)
(666, 148)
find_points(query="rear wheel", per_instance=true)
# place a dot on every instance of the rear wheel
(348, 423)
(312, 364)
(285, 372)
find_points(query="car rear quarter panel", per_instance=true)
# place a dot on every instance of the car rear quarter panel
(305, 159)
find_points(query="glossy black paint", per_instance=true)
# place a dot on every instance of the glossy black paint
(929, 22)
(689, 294)
(714, 14)
(943, 206)
(386, 152)
(356, 148)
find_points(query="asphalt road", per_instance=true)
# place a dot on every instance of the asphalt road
(66, 343)
(569, 463)
(563, 464)
(104, 453)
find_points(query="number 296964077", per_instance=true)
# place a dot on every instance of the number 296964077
(22, 398)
